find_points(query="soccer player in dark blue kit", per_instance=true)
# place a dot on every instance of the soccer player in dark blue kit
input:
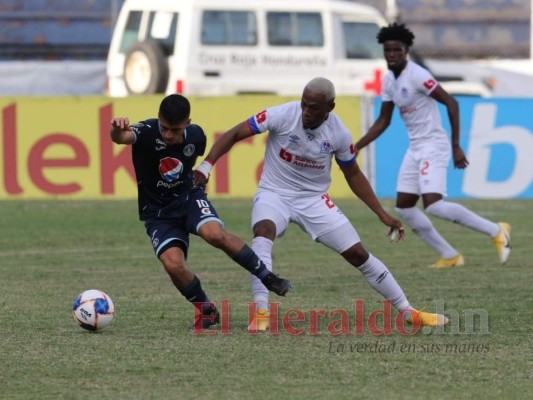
(164, 152)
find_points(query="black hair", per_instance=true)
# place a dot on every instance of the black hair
(396, 31)
(175, 108)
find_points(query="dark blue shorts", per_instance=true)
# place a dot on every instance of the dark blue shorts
(172, 229)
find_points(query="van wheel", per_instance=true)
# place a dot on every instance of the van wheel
(146, 69)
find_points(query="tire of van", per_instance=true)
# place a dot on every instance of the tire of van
(145, 69)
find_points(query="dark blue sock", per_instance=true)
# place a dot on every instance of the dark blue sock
(247, 259)
(194, 292)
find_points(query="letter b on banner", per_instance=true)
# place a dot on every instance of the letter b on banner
(501, 157)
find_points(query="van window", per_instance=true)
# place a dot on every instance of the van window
(162, 30)
(295, 29)
(360, 39)
(131, 31)
(229, 28)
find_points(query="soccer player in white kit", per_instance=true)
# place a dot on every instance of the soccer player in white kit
(304, 136)
(423, 171)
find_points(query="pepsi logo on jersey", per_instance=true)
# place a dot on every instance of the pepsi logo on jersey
(170, 168)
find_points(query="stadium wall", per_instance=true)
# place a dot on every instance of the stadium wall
(59, 147)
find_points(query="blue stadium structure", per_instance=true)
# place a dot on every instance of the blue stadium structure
(466, 28)
(56, 29)
(81, 29)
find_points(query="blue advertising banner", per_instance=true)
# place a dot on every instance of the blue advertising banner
(497, 138)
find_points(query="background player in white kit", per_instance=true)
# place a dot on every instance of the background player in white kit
(423, 171)
(303, 138)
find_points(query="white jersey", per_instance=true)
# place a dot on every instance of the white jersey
(410, 93)
(298, 160)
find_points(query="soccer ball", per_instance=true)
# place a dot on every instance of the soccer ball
(93, 310)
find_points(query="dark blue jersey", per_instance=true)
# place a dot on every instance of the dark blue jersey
(164, 173)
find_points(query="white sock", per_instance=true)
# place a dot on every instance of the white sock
(422, 226)
(263, 248)
(463, 216)
(380, 278)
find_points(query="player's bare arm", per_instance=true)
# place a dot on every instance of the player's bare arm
(227, 140)
(362, 189)
(379, 126)
(222, 145)
(452, 107)
(121, 132)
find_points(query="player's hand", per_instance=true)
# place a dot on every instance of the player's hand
(396, 231)
(121, 132)
(201, 173)
(459, 158)
(120, 123)
(199, 179)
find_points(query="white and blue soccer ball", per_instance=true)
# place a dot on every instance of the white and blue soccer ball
(93, 310)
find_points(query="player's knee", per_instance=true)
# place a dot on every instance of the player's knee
(415, 219)
(356, 255)
(405, 212)
(173, 261)
(437, 209)
(215, 237)
(213, 234)
(174, 265)
(265, 228)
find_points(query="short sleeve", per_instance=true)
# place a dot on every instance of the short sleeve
(345, 153)
(423, 81)
(386, 89)
(273, 119)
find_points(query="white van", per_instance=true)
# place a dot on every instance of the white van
(228, 47)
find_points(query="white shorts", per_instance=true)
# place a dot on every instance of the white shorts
(316, 215)
(424, 170)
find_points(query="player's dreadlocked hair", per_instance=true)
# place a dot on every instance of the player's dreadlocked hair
(396, 31)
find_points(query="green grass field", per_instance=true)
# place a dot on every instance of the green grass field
(51, 251)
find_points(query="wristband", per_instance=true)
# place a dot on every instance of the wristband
(205, 168)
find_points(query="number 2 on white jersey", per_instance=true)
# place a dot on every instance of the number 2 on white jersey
(328, 201)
